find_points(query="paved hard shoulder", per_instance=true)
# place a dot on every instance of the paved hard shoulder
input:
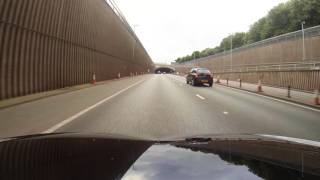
(288, 94)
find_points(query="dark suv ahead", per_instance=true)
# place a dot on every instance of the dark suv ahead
(198, 76)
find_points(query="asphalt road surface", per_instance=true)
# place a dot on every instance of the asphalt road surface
(160, 106)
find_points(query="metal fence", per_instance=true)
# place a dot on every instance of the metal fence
(295, 50)
(306, 80)
(292, 66)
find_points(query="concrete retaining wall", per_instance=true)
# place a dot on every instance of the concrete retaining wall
(278, 50)
(51, 44)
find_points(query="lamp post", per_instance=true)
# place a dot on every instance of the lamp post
(303, 44)
(224, 56)
(231, 37)
(134, 42)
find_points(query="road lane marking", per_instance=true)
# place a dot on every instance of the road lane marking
(225, 112)
(292, 139)
(275, 99)
(271, 98)
(177, 79)
(68, 120)
(200, 97)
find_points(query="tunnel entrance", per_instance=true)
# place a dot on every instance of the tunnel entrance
(164, 70)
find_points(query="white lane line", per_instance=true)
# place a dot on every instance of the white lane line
(225, 112)
(297, 140)
(200, 97)
(68, 120)
(275, 99)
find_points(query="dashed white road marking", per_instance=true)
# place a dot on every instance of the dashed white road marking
(200, 97)
(271, 98)
(68, 120)
(225, 112)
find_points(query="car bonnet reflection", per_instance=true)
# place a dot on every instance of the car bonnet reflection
(169, 162)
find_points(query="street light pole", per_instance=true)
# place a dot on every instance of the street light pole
(231, 53)
(224, 54)
(133, 49)
(303, 44)
(134, 42)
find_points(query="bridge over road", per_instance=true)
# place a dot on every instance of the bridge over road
(173, 68)
(164, 68)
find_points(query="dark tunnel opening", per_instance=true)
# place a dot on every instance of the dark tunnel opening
(164, 70)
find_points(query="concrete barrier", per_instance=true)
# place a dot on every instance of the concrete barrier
(46, 45)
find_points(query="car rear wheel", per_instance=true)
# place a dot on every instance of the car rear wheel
(193, 83)
(210, 84)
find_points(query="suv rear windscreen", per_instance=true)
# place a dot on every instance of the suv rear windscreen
(204, 71)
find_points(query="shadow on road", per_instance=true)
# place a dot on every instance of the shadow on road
(202, 85)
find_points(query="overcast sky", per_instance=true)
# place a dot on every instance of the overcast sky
(173, 28)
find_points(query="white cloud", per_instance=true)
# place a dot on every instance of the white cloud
(172, 28)
(133, 176)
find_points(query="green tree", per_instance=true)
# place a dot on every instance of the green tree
(277, 21)
(195, 55)
(256, 31)
(238, 39)
(206, 52)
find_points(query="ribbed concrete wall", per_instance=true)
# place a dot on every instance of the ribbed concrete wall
(51, 44)
(279, 50)
(275, 51)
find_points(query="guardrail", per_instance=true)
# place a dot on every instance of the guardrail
(292, 66)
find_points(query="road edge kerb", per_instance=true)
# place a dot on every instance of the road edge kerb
(64, 90)
(276, 97)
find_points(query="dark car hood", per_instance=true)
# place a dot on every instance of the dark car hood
(101, 156)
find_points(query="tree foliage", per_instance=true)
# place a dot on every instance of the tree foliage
(284, 18)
